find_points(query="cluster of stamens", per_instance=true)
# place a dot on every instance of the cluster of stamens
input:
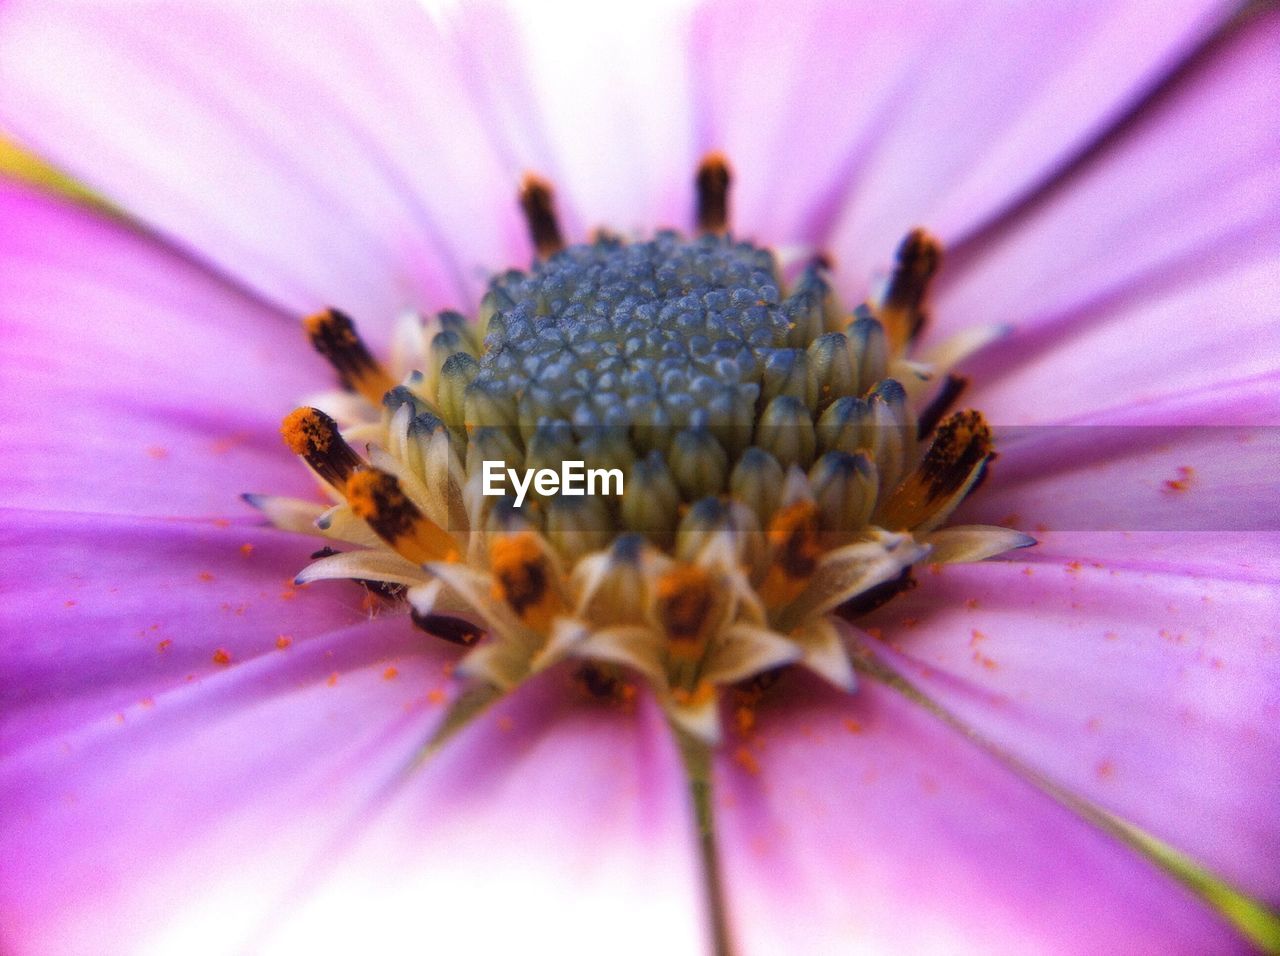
(785, 463)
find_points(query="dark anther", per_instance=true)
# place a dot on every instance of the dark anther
(312, 434)
(875, 597)
(963, 441)
(325, 552)
(537, 200)
(919, 256)
(334, 336)
(452, 629)
(713, 194)
(524, 585)
(951, 390)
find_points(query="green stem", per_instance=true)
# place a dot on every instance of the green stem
(697, 766)
(1256, 920)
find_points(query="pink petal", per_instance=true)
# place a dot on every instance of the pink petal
(1175, 221)
(1155, 486)
(611, 93)
(1149, 690)
(853, 123)
(320, 155)
(180, 825)
(106, 612)
(1200, 461)
(134, 381)
(860, 822)
(555, 822)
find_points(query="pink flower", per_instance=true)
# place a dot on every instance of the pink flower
(1073, 748)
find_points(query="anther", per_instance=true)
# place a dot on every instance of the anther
(448, 628)
(537, 200)
(685, 599)
(522, 577)
(961, 445)
(314, 436)
(919, 256)
(377, 497)
(334, 336)
(793, 539)
(713, 194)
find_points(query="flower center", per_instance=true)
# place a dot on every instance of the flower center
(768, 461)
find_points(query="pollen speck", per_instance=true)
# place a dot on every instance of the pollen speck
(333, 679)
(975, 636)
(390, 673)
(246, 549)
(205, 576)
(985, 661)
(164, 645)
(1181, 483)
(853, 726)
(222, 656)
(971, 604)
(745, 719)
(1106, 769)
(283, 641)
(435, 696)
(745, 759)
(158, 452)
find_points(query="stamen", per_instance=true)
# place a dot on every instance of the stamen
(334, 336)
(522, 576)
(793, 539)
(951, 390)
(314, 436)
(903, 314)
(376, 497)
(537, 199)
(684, 602)
(713, 195)
(962, 443)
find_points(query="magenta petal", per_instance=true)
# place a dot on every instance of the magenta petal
(554, 823)
(179, 826)
(105, 613)
(1186, 196)
(1148, 690)
(862, 823)
(323, 155)
(1202, 461)
(611, 93)
(883, 117)
(134, 381)
(994, 98)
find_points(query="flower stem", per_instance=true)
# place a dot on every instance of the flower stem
(697, 764)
